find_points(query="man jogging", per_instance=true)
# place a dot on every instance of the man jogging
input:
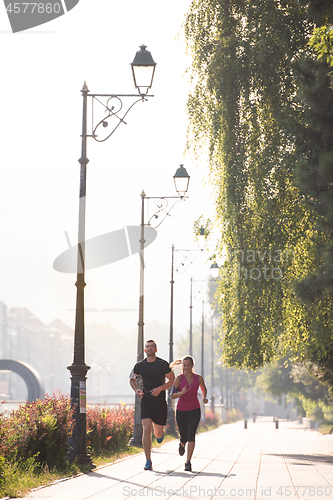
(153, 405)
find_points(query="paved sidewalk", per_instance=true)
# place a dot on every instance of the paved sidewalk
(256, 463)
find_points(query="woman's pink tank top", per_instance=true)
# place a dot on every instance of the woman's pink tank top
(189, 400)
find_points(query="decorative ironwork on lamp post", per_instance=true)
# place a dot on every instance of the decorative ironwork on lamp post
(143, 64)
(181, 179)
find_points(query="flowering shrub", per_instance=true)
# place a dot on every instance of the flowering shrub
(34, 438)
(210, 418)
(108, 429)
(234, 415)
(37, 430)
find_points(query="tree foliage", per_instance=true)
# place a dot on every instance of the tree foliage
(261, 107)
(322, 42)
(312, 398)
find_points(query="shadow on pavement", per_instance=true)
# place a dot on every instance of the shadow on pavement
(306, 458)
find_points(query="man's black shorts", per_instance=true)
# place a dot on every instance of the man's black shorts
(154, 408)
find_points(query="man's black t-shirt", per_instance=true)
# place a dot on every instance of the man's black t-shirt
(153, 375)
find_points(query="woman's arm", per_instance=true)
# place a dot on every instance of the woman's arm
(203, 389)
(176, 385)
(176, 395)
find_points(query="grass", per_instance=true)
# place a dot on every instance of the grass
(206, 427)
(16, 481)
(109, 459)
(326, 429)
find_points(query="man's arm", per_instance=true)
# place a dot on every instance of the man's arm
(171, 377)
(134, 384)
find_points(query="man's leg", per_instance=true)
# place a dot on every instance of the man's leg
(147, 425)
(160, 415)
(158, 430)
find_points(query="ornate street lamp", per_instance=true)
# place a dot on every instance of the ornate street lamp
(182, 180)
(214, 271)
(201, 238)
(163, 210)
(113, 110)
(143, 69)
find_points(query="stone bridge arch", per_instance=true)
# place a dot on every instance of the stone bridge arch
(29, 374)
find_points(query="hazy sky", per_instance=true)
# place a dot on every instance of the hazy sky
(43, 70)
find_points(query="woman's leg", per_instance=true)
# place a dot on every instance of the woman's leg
(190, 449)
(181, 417)
(193, 422)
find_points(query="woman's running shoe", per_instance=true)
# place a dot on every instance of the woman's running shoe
(181, 449)
(188, 467)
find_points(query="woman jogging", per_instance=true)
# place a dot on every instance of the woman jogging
(188, 407)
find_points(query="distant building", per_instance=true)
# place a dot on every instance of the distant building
(48, 348)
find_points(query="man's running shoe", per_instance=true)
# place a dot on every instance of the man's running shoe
(181, 449)
(148, 465)
(159, 440)
(188, 467)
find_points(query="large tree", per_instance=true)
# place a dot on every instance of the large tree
(258, 106)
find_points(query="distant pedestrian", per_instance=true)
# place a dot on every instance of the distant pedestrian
(188, 411)
(153, 405)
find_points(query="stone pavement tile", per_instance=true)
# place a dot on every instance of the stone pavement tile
(222, 468)
(238, 470)
(309, 480)
(324, 468)
(72, 489)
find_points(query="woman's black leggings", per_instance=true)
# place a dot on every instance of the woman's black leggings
(188, 422)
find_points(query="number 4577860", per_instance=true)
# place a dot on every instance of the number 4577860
(33, 7)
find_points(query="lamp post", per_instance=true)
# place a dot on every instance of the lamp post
(113, 107)
(202, 353)
(187, 258)
(212, 400)
(214, 270)
(220, 364)
(171, 417)
(181, 179)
